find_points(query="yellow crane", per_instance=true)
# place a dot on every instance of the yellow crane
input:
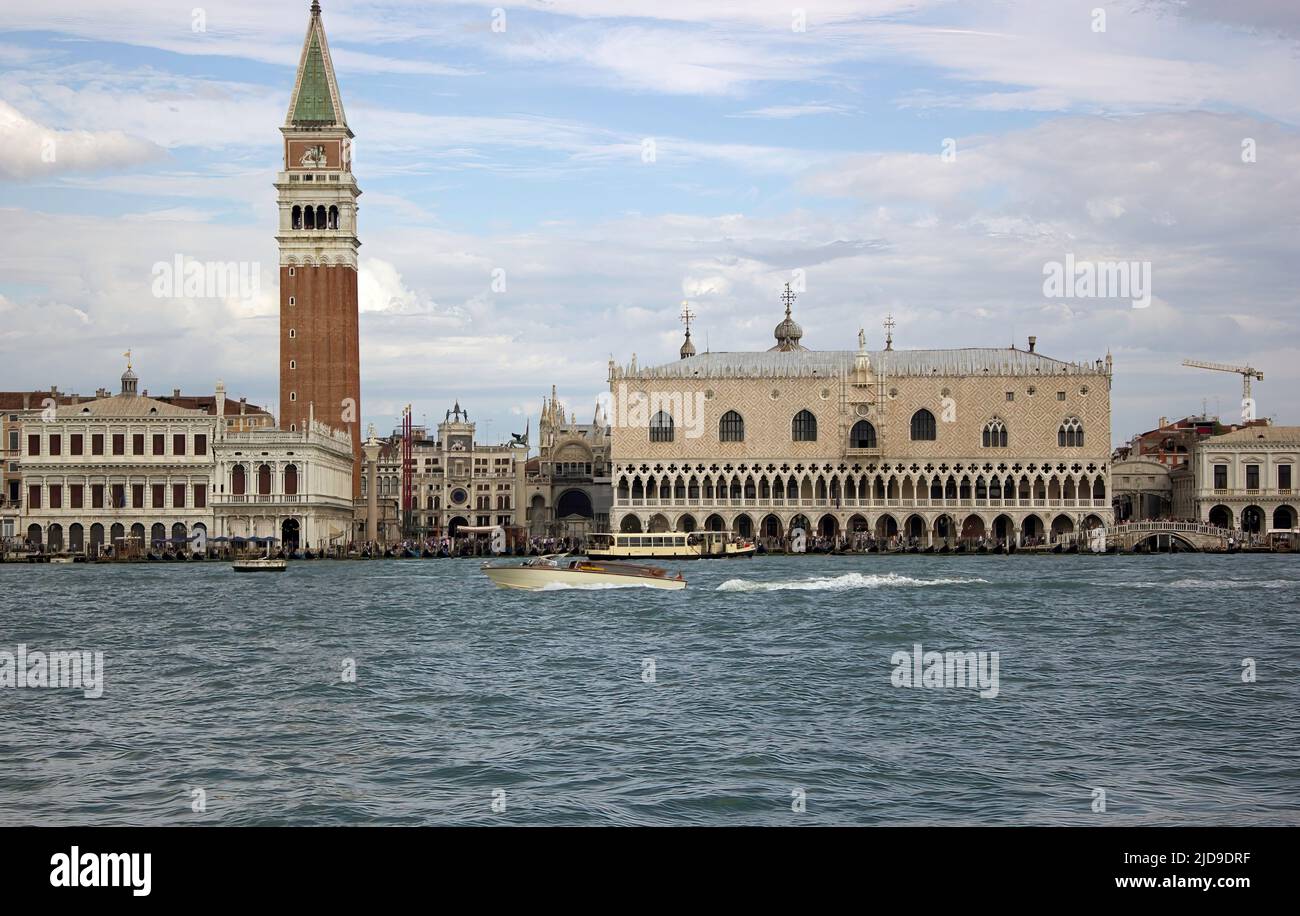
(1246, 372)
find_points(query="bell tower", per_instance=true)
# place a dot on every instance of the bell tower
(320, 364)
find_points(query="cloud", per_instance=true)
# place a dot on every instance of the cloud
(782, 112)
(29, 149)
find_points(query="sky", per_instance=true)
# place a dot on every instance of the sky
(544, 185)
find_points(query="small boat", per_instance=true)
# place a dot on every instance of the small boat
(62, 560)
(265, 563)
(260, 564)
(555, 569)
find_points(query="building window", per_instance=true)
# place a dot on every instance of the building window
(156, 494)
(76, 495)
(293, 395)
(33, 496)
(118, 496)
(178, 443)
(863, 435)
(1252, 477)
(97, 443)
(178, 495)
(1060, 395)
(137, 444)
(96, 496)
(137, 496)
(995, 434)
(159, 444)
(76, 444)
(293, 332)
(1220, 477)
(56, 444)
(661, 427)
(1070, 435)
(1011, 395)
(731, 428)
(803, 428)
(119, 443)
(1284, 477)
(200, 496)
(33, 444)
(923, 428)
(200, 443)
(292, 301)
(56, 496)
(293, 364)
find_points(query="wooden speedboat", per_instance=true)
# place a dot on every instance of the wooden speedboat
(559, 571)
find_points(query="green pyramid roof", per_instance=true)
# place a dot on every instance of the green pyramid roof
(314, 105)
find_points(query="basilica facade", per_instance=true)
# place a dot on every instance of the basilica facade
(992, 445)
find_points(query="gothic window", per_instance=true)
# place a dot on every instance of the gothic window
(995, 434)
(334, 218)
(309, 216)
(731, 428)
(1070, 435)
(297, 217)
(923, 429)
(863, 435)
(661, 427)
(804, 427)
(320, 217)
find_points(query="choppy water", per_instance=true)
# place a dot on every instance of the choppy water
(770, 675)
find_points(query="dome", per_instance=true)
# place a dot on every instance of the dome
(787, 335)
(688, 348)
(788, 332)
(788, 329)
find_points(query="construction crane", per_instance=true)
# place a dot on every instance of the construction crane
(1246, 372)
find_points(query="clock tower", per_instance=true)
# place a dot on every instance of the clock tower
(320, 365)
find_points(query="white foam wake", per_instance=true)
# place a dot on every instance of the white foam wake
(839, 583)
(1231, 583)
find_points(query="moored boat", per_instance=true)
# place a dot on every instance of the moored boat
(260, 564)
(558, 571)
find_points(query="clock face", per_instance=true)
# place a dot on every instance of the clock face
(459, 496)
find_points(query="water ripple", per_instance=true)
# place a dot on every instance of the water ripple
(765, 686)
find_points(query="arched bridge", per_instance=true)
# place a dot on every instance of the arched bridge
(1185, 535)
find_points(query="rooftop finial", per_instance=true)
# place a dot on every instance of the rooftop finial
(315, 7)
(889, 331)
(688, 348)
(788, 331)
(127, 354)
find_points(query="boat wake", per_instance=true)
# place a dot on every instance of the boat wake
(1231, 583)
(840, 583)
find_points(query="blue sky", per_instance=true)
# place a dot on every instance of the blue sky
(776, 150)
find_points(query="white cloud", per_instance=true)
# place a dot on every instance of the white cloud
(29, 149)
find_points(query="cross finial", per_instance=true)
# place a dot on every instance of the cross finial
(687, 316)
(889, 331)
(788, 298)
